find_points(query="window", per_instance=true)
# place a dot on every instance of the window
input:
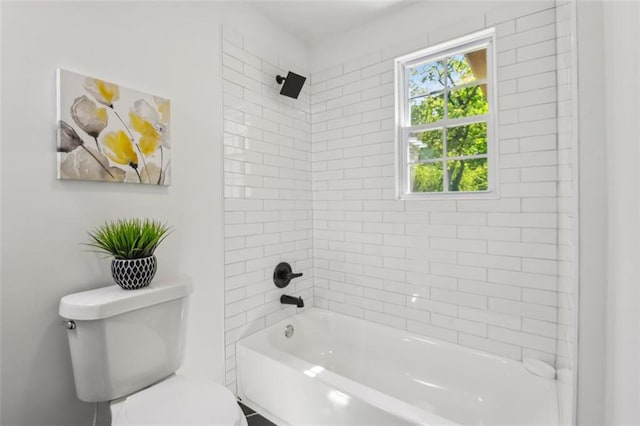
(445, 108)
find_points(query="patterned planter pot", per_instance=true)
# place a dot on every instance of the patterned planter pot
(132, 274)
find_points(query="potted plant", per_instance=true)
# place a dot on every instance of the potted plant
(132, 243)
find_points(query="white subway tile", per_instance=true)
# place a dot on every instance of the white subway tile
(385, 319)
(548, 236)
(458, 324)
(535, 20)
(458, 218)
(432, 331)
(530, 220)
(407, 313)
(363, 302)
(540, 174)
(523, 279)
(411, 289)
(454, 244)
(540, 266)
(526, 38)
(527, 310)
(458, 271)
(532, 250)
(377, 68)
(494, 233)
(354, 311)
(527, 98)
(492, 346)
(243, 305)
(460, 298)
(540, 205)
(537, 81)
(526, 340)
(540, 297)
(363, 61)
(490, 289)
(535, 51)
(487, 317)
(326, 74)
(500, 205)
(432, 306)
(529, 128)
(512, 10)
(490, 261)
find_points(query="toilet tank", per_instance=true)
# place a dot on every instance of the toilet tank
(126, 340)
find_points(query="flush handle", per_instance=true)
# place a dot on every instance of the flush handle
(69, 324)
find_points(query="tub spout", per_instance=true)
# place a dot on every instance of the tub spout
(290, 300)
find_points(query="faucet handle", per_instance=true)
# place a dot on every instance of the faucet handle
(283, 274)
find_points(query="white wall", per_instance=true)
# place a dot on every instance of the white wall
(593, 150)
(621, 88)
(609, 343)
(164, 48)
(480, 273)
(267, 184)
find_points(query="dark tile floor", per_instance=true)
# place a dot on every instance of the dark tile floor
(253, 418)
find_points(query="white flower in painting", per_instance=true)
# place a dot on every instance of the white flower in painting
(164, 107)
(88, 116)
(104, 92)
(89, 164)
(143, 112)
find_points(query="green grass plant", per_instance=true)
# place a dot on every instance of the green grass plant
(128, 238)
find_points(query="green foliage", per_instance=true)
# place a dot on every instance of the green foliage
(468, 175)
(462, 141)
(128, 238)
(427, 177)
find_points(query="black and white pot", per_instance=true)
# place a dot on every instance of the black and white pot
(132, 274)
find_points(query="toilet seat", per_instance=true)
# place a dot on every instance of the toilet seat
(178, 401)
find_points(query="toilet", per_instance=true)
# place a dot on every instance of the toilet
(125, 348)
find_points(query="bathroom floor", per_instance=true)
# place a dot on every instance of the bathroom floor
(253, 418)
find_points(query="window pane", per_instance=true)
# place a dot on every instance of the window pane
(426, 177)
(468, 101)
(467, 67)
(468, 175)
(425, 145)
(425, 79)
(427, 109)
(467, 140)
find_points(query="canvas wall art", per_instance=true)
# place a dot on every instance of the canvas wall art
(110, 133)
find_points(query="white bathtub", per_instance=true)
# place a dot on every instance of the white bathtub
(338, 370)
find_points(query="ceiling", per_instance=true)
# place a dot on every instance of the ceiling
(312, 21)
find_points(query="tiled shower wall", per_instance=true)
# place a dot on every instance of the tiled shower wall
(480, 273)
(267, 184)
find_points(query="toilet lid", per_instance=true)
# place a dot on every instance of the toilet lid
(178, 401)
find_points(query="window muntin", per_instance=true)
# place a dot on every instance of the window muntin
(445, 119)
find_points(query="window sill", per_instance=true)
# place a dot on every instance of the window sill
(485, 195)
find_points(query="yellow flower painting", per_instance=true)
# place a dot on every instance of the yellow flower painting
(109, 133)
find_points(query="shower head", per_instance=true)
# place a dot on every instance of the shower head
(292, 84)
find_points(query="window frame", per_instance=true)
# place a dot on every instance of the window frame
(471, 42)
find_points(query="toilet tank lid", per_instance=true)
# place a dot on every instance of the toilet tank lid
(108, 301)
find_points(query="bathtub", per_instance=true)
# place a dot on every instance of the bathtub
(339, 370)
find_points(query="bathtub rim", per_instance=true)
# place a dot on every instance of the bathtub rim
(314, 310)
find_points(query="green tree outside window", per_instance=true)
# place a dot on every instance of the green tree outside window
(430, 86)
